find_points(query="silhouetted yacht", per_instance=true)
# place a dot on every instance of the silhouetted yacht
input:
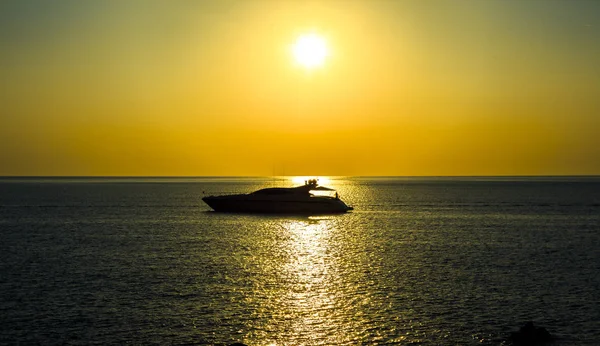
(282, 200)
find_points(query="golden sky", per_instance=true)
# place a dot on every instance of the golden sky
(211, 88)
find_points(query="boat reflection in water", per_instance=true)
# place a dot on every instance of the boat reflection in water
(282, 200)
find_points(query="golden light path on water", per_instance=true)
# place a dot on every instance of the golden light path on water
(312, 279)
(302, 282)
(310, 268)
(316, 294)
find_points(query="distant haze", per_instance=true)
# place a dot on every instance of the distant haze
(210, 88)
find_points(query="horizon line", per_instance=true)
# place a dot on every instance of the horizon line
(302, 175)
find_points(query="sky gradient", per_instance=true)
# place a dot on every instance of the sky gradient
(210, 88)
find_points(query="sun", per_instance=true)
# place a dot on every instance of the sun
(310, 50)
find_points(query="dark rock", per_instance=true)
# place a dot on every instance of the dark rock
(531, 335)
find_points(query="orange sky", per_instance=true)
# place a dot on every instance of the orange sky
(211, 88)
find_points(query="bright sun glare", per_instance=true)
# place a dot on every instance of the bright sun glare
(310, 50)
(302, 179)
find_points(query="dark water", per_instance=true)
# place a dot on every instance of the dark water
(419, 261)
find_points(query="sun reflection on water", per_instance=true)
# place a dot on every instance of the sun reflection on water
(310, 269)
(310, 281)
(309, 287)
(304, 305)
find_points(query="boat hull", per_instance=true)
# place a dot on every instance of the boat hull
(244, 204)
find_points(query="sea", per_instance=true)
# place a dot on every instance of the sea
(419, 261)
